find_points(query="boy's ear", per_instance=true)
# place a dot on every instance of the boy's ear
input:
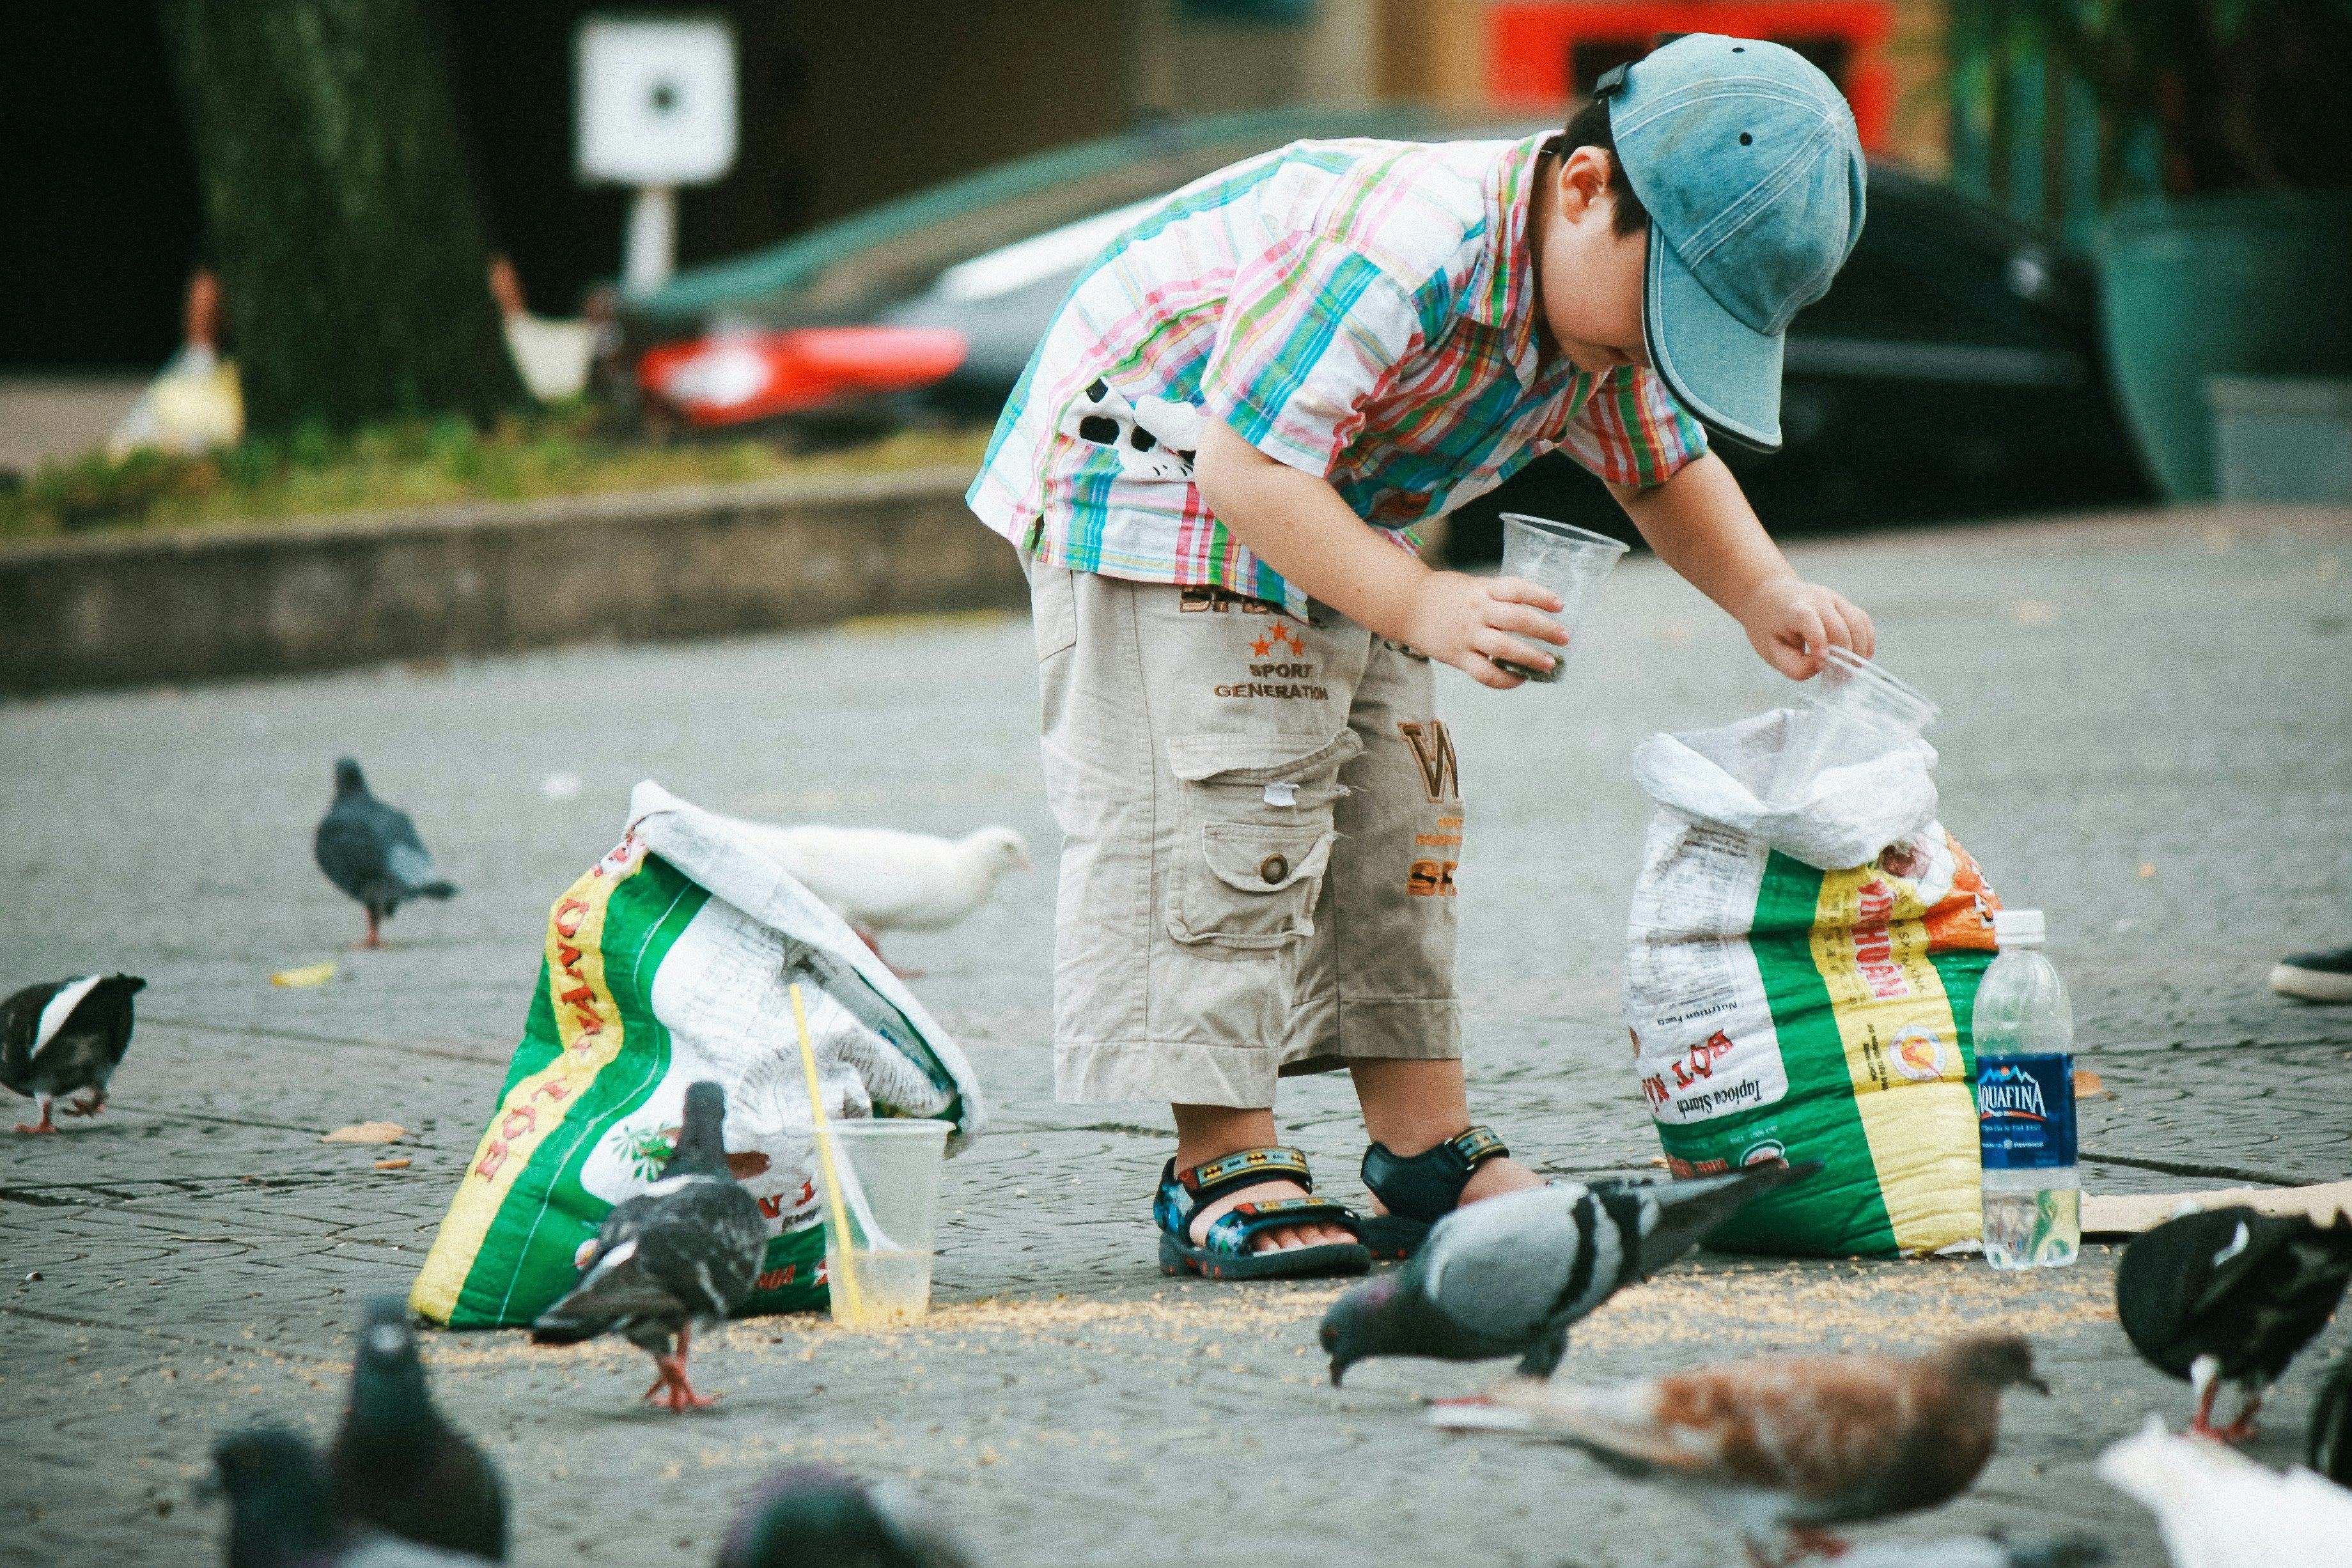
(1583, 181)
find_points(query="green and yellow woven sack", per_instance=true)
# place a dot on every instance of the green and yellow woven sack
(669, 961)
(1782, 1011)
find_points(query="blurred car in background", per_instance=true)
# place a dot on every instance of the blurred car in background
(1953, 370)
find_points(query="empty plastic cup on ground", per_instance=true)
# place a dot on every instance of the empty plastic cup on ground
(882, 1178)
(1851, 712)
(1572, 562)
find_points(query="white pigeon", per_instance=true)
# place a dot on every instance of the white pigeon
(880, 879)
(2219, 1510)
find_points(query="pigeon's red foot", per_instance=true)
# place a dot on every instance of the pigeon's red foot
(2239, 1430)
(41, 1126)
(1807, 1540)
(85, 1107)
(669, 1379)
(867, 937)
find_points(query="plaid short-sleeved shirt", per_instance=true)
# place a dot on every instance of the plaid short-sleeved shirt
(1362, 310)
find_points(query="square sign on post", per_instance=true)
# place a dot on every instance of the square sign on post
(657, 110)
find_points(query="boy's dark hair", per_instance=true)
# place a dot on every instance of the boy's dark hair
(1589, 126)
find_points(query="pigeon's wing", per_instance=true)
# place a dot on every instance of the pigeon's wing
(349, 851)
(1677, 1215)
(616, 1287)
(1620, 1422)
(413, 868)
(1505, 1268)
(703, 1247)
(20, 1031)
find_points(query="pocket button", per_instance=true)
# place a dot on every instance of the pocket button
(1274, 868)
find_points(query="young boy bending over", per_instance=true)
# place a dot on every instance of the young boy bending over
(1209, 467)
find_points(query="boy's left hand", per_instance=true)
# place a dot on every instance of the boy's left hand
(1792, 624)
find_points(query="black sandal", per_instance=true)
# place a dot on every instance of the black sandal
(1419, 1191)
(1224, 1250)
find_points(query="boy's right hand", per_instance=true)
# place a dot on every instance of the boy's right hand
(1470, 621)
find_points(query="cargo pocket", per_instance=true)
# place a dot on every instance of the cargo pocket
(1256, 820)
(1052, 607)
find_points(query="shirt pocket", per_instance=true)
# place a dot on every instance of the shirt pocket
(1255, 815)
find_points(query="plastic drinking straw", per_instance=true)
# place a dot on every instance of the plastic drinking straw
(824, 1157)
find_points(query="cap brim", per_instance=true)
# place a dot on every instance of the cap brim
(1720, 369)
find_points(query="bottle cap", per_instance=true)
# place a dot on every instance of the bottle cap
(2017, 927)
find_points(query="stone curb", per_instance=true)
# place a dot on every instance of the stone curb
(130, 609)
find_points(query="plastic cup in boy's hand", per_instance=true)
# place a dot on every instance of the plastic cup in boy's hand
(1572, 562)
(1852, 712)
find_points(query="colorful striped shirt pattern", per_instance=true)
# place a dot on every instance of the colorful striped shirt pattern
(1362, 310)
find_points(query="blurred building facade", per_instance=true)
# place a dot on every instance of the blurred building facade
(842, 109)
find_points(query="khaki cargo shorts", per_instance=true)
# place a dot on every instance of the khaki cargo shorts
(1261, 818)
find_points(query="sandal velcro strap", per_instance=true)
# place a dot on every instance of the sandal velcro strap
(1182, 1193)
(1211, 1179)
(1428, 1186)
(1234, 1231)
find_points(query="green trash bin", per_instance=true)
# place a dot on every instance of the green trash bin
(2281, 438)
(2256, 283)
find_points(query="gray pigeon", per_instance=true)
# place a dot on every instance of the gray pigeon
(372, 852)
(812, 1514)
(1508, 1276)
(65, 1039)
(282, 1512)
(685, 1252)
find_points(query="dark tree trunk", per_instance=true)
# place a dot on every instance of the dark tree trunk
(341, 210)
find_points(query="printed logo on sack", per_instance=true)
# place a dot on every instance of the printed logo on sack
(1695, 1071)
(1772, 1151)
(1873, 945)
(1918, 1054)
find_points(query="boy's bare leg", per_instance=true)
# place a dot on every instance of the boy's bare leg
(1413, 1105)
(1212, 1132)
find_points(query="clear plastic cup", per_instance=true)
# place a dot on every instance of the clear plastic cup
(1851, 712)
(882, 1178)
(1572, 562)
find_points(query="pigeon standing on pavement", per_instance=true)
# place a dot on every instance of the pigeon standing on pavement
(2231, 1295)
(1508, 1276)
(397, 1464)
(282, 1512)
(1786, 1446)
(879, 879)
(815, 1515)
(2218, 1508)
(372, 852)
(65, 1040)
(685, 1252)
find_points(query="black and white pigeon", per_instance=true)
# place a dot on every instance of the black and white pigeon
(282, 1513)
(2329, 1448)
(683, 1253)
(372, 852)
(396, 1464)
(2231, 1295)
(813, 1514)
(1508, 1275)
(63, 1041)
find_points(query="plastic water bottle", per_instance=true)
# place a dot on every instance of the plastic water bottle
(2024, 1028)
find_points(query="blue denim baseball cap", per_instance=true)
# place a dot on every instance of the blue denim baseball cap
(1747, 157)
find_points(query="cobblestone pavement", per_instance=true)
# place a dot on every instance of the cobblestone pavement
(2148, 732)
